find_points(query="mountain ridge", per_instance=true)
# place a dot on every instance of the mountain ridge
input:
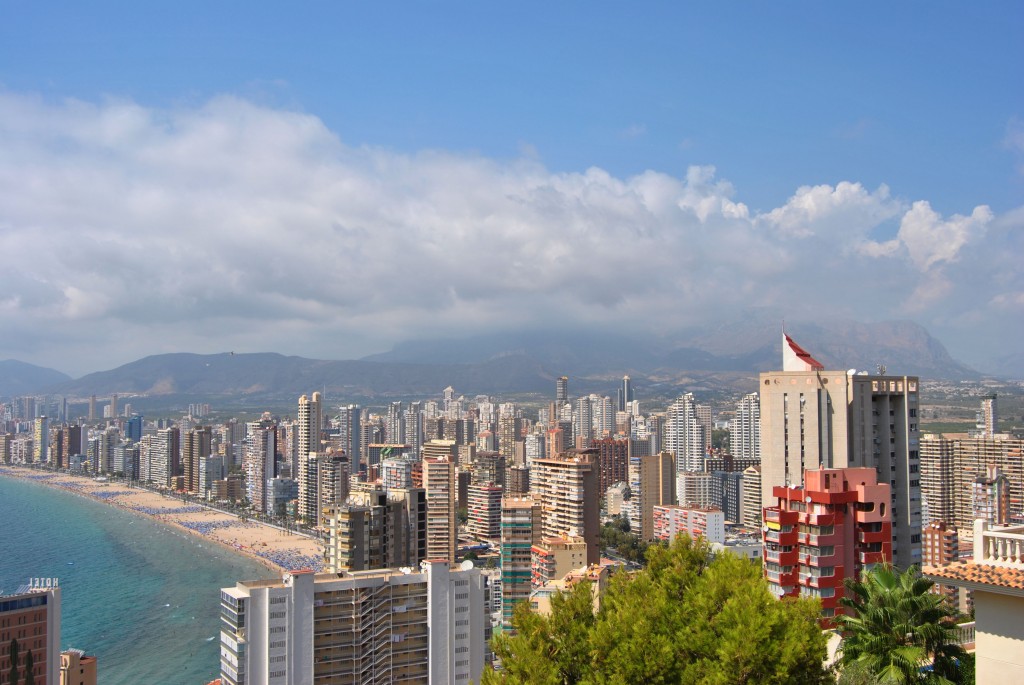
(729, 357)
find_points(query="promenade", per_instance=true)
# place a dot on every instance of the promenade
(277, 548)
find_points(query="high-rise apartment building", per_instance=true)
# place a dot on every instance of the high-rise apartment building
(625, 394)
(164, 456)
(652, 483)
(938, 479)
(260, 445)
(520, 531)
(837, 525)
(567, 486)
(372, 627)
(32, 617)
(612, 461)
(309, 425)
(440, 486)
(751, 496)
(685, 434)
(745, 428)
(41, 440)
(990, 496)
(950, 469)
(196, 446)
(812, 418)
(561, 391)
(988, 418)
(484, 510)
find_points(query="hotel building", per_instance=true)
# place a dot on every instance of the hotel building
(32, 617)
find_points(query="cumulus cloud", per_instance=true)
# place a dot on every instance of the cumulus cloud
(129, 230)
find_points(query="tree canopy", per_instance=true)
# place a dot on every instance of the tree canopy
(688, 617)
(899, 632)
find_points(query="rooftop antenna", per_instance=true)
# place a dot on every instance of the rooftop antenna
(881, 369)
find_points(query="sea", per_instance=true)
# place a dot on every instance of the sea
(140, 596)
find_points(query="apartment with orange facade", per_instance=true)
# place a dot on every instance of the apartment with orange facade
(836, 526)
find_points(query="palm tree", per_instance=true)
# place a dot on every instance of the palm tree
(898, 630)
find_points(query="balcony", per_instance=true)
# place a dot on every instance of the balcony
(871, 557)
(867, 537)
(999, 546)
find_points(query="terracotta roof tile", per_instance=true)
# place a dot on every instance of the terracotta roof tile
(968, 571)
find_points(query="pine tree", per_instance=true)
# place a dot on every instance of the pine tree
(689, 617)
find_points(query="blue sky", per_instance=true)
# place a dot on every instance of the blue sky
(903, 102)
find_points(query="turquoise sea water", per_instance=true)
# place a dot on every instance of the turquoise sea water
(140, 596)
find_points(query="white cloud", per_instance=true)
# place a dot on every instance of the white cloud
(930, 240)
(129, 231)
(823, 209)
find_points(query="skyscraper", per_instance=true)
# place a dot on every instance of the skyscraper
(520, 530)
(561, 391)
(310, 425)
(745, 428)
(195, 447)
(567, 486)
(440, 485)
(685, 435)
(625, 394)
(813, 418)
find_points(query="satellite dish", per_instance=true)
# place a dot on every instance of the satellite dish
(851, 372)
(808, 499)
(466, 565)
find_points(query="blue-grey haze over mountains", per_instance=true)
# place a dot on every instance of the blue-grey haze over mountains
(328, 182)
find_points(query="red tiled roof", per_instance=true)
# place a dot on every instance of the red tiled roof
(985, 574)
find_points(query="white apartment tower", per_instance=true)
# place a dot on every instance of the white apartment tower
(685, 434)
(310, 425)
(745, 428)
(368, 627)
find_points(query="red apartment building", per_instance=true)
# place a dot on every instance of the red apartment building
(836, 526)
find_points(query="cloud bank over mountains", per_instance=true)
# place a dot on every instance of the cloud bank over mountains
(232, 225)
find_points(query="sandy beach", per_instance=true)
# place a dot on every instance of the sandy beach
(277, 549)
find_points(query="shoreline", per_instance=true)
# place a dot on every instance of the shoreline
(275, 549)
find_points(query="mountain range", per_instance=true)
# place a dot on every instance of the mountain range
(726, 358)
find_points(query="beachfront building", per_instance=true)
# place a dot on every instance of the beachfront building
(386, 626)
(32, 617)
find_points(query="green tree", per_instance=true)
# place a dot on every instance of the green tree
(689, 617)
(12, 675)
(29, 677)
(898, 628)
